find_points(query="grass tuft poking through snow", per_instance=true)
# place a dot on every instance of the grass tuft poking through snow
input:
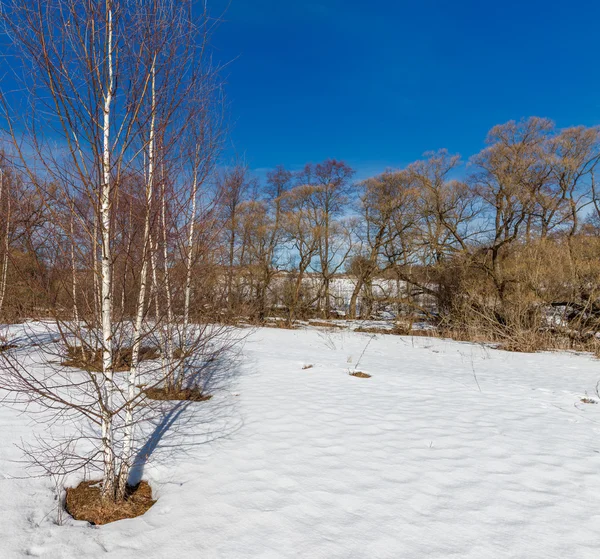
(360, 374)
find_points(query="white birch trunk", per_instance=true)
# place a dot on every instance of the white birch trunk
(4, 272)
(94, 254)
(125, 265)
(139, 316)
(188, 273)
(190, 258)
(74, 271)
(108, 487)
(168, 361)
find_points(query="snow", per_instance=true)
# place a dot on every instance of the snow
(413, 462)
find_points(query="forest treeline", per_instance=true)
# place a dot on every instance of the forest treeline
(504, 246)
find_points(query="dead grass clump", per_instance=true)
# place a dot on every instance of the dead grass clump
(360, 374)
(524, 345)
(396, 330)
(282, 324)
(322, 324)
(309, 366)
(91, 360)
(187, 394)
(588, 400)
(84, 502)
(367, 330)
(545, 340)
(423, 333)
(6, 347)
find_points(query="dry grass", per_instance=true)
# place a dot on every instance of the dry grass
(530, 341)
(84, 502)
(322, 324)
(360, 374)
(6, 347)
(396, 330)
(424, 333)
(91, 360)
(281, 324)
(309, 366)
(187, 394)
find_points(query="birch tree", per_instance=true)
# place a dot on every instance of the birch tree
(119, 82)
(5, 212)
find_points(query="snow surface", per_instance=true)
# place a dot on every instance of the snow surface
(414, 462)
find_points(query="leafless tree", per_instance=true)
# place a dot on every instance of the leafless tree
(303, 236)
(120, 83)
(233, 185)
(331, 180)
(510, 173)
(382, 199)
(573, 156)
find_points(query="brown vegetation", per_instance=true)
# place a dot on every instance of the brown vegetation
(91, 360)
(509, 253)
(85, 502)
(395, 330)
(185, 394)
(322, 324)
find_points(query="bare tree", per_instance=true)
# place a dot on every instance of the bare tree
(382, 198)
(511, 171)
(303, 236)
(120, 83)
(332, 190)
(233, 185)
(446, 206)
(5, 212)
(270, 238)
(573, 156)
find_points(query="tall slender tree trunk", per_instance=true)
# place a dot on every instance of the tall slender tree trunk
(96, 270)
(132, 382)
(168, 329)
(74, 271)
(231, 259)
(108, 487)
(354, 297)
(154, 268)
(125, 264)
(6, 244)
(188, 268)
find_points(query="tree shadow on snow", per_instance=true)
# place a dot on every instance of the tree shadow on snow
(175, 429)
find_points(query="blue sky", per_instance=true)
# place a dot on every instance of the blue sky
(378, 83)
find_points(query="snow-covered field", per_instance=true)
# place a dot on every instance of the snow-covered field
(414, 462)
